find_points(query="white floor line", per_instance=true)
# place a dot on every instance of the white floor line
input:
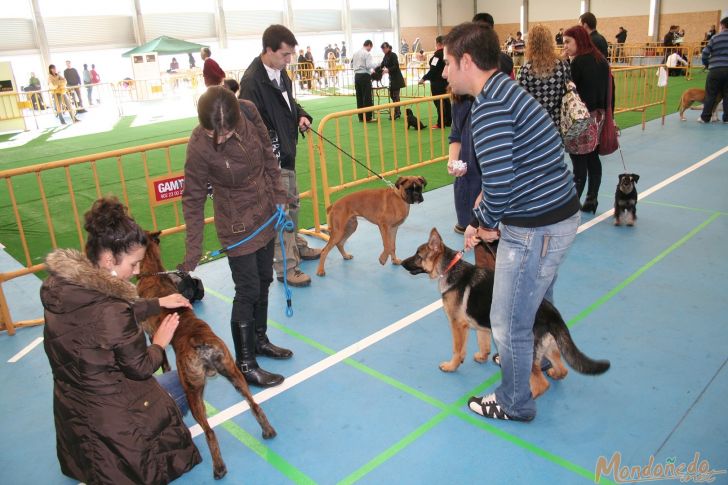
(25, 351)
(643, 194)
(324, 364)
(320, 366)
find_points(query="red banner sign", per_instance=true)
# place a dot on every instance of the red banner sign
(166, 189)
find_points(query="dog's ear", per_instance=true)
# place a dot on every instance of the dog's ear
(399, 182)
(154, 236)
(435, 241)
(422, 181)
(621, 176)
(635, 177)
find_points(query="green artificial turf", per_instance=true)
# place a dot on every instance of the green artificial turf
(404, 147)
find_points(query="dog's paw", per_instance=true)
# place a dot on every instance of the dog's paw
(682, 118)
(617, 222)
(556, 375)
(320, 272)
(383, 259)
(448, 366)
(396, 261)
(348, 256)
(480, 357)
(271, 433)
(220, 472)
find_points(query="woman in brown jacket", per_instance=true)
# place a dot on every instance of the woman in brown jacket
(114, 423)
(231, 150)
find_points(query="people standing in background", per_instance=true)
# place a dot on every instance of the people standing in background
(35, 98)
(416, 45)
(670, 39)
(343, 51)
(268, 86)
(505, 62)
(57, 88)
(73, 81)
(390, 64)
(710, 33)
(191, 60)
(337, 52)
(468, 181)
(173, 66)
(403, 46)
(590, 73)
(212, 73)
(95, 79)
(560, 37)
(715, 58)
(589, 22)
(544, 75)
(309, 56)
(621, 38)
(230, 150)
(87, 81)
(519, 49)
(363, 65)
(438, 84)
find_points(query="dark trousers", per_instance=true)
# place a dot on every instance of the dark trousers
(717, 82)
(252, 275)
(363, 88)
(587, 167)
(444, 115)
(394, 96)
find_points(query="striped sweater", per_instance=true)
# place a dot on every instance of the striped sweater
(715, 54)
(525, 180)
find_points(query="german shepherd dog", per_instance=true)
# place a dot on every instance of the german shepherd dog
(200, 353)
(625, 199)
(412, 121)
(467, 293)
(387, 208)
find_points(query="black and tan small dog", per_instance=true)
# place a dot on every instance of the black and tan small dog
(412, 121)
(625, 199)
(467, 293)
(386, 208)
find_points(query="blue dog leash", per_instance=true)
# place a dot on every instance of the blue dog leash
(282, 223)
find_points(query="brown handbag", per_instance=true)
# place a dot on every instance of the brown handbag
(609, 136)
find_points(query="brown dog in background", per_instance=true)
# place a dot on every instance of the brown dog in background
(692, 95)
(200, 353)
(386, 208)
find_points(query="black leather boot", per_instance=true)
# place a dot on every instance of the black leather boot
(590, 204)
(263, 345)
(245, 356)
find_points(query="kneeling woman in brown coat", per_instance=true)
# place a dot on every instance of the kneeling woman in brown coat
(231, 150)
(114, 423)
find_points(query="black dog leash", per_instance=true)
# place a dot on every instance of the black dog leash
(162, 273)
(390, 184)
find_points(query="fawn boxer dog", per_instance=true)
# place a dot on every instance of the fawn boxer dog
(387, 208)
(467, 293)
(692, 95)
(200, 353)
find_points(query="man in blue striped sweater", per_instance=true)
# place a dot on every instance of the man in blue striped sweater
(715, 58)
(528, 202)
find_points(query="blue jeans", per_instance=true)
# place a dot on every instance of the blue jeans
(170, 383)
(525, 270)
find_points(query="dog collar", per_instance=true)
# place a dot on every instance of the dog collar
(458, 256)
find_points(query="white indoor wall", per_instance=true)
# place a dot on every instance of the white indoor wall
(503, 11)
(418, 13)
(620, 8)
(455, 12)
(544, 10)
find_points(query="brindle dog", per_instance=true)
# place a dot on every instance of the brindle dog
(200, 353)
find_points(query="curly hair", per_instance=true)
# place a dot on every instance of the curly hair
(110, 227)
(540, 51)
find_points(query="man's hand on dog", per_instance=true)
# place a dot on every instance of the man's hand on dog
(175, 300)
(166, 329)
(475, 235)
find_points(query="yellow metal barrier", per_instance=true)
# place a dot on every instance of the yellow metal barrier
(637, 90)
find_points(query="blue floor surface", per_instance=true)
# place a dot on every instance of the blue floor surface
(650, 298)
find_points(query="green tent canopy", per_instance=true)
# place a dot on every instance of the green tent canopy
(165, 46)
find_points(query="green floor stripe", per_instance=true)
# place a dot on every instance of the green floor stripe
(677, 206)
(393, 450)
(270, 456)
(611, 293)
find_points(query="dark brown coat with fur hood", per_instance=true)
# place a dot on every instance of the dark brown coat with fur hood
(114, 423)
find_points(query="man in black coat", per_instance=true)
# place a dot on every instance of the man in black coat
(390, 64)
(505, 62)
(589, 22)
(267, 85)
(438, 84)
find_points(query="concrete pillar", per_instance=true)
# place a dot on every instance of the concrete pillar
(41, 39)
(138, 23)
(220, 26)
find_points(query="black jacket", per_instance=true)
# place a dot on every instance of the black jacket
(281, 121)
(390, 61)
(438, 85)
(72, 77)
(600, 43)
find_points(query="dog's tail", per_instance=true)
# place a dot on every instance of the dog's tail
(573, 356)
